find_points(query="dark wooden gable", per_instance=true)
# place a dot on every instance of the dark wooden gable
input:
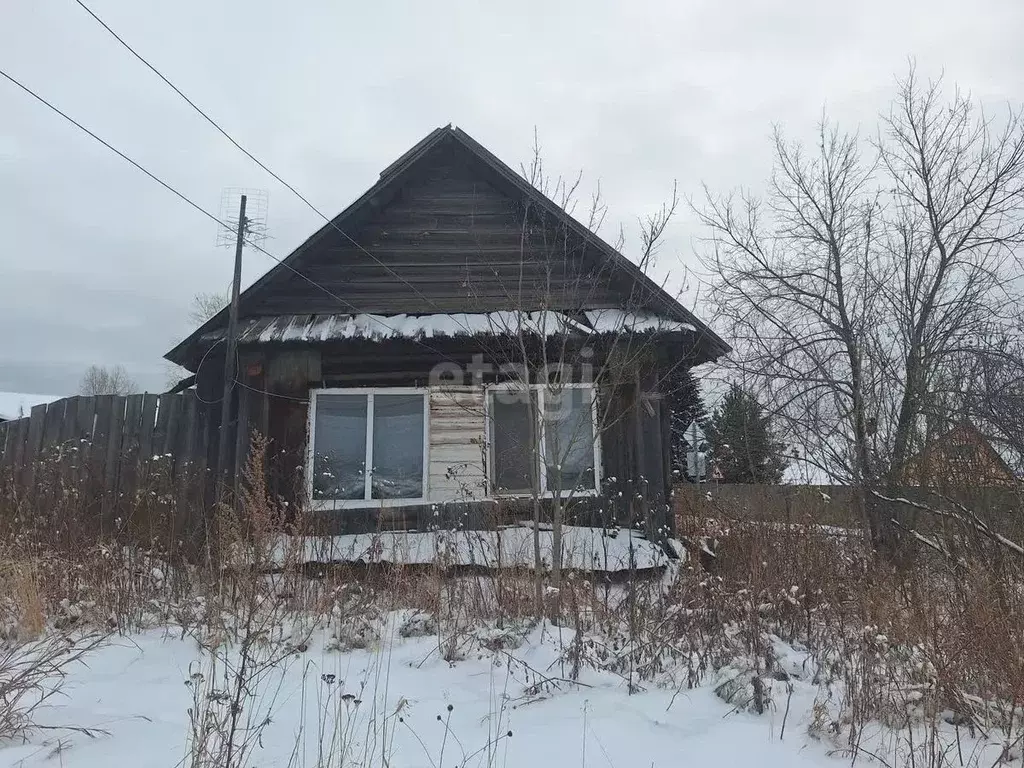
(449, 238)
(450, 228)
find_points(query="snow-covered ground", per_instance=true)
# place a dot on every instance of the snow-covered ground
(583, 548)
(408, 706)
(14, 405)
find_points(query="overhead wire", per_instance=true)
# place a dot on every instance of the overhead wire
(253, 157)
(180, 195)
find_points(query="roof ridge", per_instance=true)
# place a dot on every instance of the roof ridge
(417, 149)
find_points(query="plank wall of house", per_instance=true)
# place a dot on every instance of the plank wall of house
(450, 348)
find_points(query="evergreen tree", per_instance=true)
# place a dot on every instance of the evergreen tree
(743, 440)
(687, 406)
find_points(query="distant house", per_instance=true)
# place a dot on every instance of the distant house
(383, 358)
(960, 457)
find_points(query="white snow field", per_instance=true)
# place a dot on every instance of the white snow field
(128, 706)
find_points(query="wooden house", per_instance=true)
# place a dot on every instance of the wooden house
(451, 349)
(961, 457)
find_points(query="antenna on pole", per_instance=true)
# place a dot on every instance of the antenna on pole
(256, 206)
(248, 226)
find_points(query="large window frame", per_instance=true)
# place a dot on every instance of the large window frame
(367, 502)
(542, 444)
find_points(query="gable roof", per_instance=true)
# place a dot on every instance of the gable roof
(391, 181)
(939, 457)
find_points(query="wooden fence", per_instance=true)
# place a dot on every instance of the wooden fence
(112, 441)
(841, 505)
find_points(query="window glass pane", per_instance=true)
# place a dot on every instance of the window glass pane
(339, 447)
(569, 439)
(397, 447)
(510, 441)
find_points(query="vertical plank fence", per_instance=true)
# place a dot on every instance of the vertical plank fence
(125, 456)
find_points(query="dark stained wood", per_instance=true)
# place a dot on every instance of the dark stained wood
(98, 449)
(242, 435)
(178, 443)
(190, 431)
(68, 445)
(33, 445)
(147, 418)
(111, 469)
(7, 429)
(159, 439)
(665, 412)
(448, 241)
(85, 415)
(170, 407)
(52, 424)
(262, 421)
(20, 437)
(69, 424)
(450, 228)
(98, 442)
(653, 466)
(129, 476)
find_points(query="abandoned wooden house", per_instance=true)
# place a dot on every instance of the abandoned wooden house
(450, 349)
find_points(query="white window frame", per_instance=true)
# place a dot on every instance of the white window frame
(542, 469)
(366, 502)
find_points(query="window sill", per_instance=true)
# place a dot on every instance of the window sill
(588, 492)
(338, 505)
(329, 505)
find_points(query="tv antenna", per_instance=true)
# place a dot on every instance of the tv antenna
(249, 225)
(256, 203)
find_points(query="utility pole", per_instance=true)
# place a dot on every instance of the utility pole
(229, 357)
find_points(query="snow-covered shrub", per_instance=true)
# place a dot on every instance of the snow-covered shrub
(418, 624)
(742, 685)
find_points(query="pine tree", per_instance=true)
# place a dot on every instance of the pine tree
(743, 440)
(687, 406)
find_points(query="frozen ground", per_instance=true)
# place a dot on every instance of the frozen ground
(134, 699)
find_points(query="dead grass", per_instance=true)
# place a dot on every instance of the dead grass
(933, 643)
(34, 672)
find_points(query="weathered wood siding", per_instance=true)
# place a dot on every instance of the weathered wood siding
(457, 443)
(453, 238)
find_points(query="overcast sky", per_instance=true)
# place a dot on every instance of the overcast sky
(98, 264)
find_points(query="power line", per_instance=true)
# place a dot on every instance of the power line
(109, 146)
(200, 209)
(251, 156)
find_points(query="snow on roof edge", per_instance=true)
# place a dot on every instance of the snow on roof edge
(375, 327)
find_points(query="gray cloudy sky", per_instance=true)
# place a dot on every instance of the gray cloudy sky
(98, 263)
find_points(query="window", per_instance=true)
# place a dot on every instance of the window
(558, 447)
(385, 430)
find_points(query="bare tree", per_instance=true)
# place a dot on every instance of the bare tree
(544, 356)
(203, 307)
(206, 305)
(870, 273)
(100, 380)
